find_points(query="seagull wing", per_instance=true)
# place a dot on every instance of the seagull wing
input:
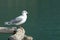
(16, 20)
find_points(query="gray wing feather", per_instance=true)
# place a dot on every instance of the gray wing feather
(16, 20)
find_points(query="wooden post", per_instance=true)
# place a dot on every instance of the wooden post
(7, 29)
(19, 34)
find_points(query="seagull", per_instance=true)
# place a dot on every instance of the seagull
(18, 20)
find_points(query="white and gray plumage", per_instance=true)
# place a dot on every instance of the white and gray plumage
(18, 20)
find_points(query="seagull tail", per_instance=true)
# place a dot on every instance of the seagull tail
(7, 23)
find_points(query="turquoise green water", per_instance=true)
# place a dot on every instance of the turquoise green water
(43, 21)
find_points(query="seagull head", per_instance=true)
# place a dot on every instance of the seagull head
(24, 12)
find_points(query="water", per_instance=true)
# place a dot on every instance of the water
(43, 21)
